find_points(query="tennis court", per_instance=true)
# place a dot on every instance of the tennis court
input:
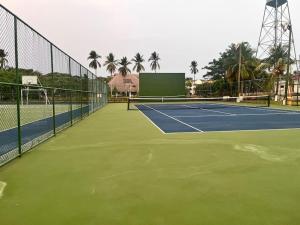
(115, 168)
(216, 115)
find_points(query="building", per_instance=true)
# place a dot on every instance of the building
(196, 83)
(293, 89)
(124, 85)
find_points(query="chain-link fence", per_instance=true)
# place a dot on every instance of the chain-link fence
(280, 92)
(224, 88)
(42, 89)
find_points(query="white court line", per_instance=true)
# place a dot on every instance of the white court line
(152, 122)
(174, 119)
(2, 187)
(210, 110)
(236, 115)
(259, 108)
(235, 131)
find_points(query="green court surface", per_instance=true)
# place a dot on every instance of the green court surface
(116, 168)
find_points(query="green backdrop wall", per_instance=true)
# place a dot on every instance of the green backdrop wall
(162, 84)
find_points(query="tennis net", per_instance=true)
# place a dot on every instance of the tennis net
(197, 103)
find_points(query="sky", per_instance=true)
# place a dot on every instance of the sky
(179, 30)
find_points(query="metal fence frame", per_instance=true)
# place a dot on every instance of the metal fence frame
(28, 50)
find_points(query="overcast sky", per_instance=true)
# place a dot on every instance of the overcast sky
(179, 30)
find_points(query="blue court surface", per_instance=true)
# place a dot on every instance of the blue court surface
(33, 130)
(213, 118)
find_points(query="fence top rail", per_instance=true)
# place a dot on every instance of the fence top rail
(42, 87)
(42, 36)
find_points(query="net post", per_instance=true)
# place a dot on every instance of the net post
(18, 89)
(128, 104)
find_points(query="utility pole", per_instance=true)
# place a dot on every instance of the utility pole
(289, 27)
(240, 67)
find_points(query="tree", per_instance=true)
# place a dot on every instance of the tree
(277, 62)
(138, 60)
(188, 85)
(124, 70)
(194, 69)
(225, 71)
(239, 62)
(276, 53)
(154, 61)
(215, 69)
(94, 60)
(111, 63)
(3, 59)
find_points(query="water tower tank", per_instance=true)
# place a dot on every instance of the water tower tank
(272, 3)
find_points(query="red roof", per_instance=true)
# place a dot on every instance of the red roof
(128, 83)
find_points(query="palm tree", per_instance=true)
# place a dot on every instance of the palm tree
(276, 53)
(124, 70)
(277, 71)
(194, 69)
(138, 60)
(239, 65)
(277, 62)
(154, 61)
(111, 63)
(94, 60)
(3, 60)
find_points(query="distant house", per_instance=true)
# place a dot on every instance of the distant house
(194, 85)
(124, 85)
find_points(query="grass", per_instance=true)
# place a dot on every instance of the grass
(116, 168)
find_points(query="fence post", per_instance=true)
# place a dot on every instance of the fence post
(298, 92)
(71, 108)
(53, 92)
(81, 87)
(19, 87)
(97, 93)
(92, 92)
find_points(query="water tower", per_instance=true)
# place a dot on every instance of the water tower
(274, 30)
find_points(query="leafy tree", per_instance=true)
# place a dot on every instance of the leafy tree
(138, 60)
(123, 69)
(8, 76)
(188, 85)
(215, 69)
(94, 64)
(111, 63)
(154, 58)
(3, 59)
